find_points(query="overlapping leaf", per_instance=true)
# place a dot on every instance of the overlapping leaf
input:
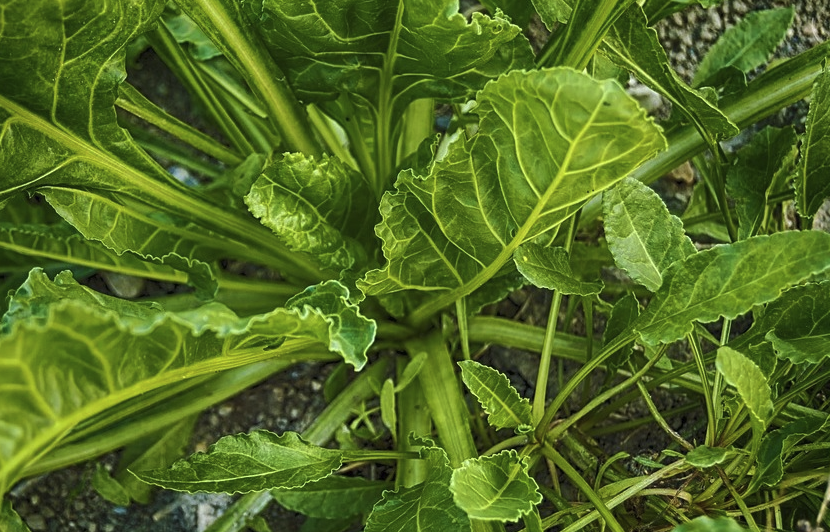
(67, 352)
(550, 268)
(729, 280)
(323, 208)
(705, 456)
(333, 497)
(643, 237)
(497, 396)
(389, 53)
(548, 141)
(707, 524)
(812, 186)
(747, 378)
(242, 463)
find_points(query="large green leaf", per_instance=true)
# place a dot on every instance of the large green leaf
(323, 208)
(747, 378)
(333, 497)
(67, 353)
(634, 46)
(550, 268)
(746, 45)
(548, 141)
(749, 179)
(812, 186)
(242, 463)
(426, 507)
(643, 237)
(497, 396)
(388, 53)
(495, 487)
(729, 280)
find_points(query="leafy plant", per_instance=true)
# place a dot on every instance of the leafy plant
(386, 242)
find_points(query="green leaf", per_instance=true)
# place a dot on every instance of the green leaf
(743, 374)
(495, 487)
(634, 46)
(411, 371)
(186, 31)
(643, 237)
(505, 407)
(550, 268)
(704, 456)
(387, 53)
(426, 507)
(10, 521)
(243, 463)
(729, 280)
(749, 179)
(109, 488)
(322, 208)
(111, 350)
(747, 45)
(812, 186)
(553, 12)
(333, 497)
(455, 228)
(798, 324)
(707, 524)
(624, 313)
(388, 413)
(520, 11)
(770, 466)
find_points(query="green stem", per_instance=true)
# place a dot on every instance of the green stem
(384, 143)
(540, 393)
(414, 419)
(463, 330)
(697, 352)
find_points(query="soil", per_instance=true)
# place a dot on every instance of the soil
(65, 501)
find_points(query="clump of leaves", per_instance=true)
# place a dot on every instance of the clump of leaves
(386, 241)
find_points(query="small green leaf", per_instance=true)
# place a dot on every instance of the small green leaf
(549, 268)
(643, 237)
(746, 45)
(729, 280)
(707, 524)
(388, 414)
(750, 382)
(812, 186)
(10, 521)
(243, 463)
(495, 487)
(705, 456)
(333, 497)
(411, 371)
(426, 507)
(109, 488)
(501, 401)
(624, 313)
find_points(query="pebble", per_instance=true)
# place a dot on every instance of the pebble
(36, 522)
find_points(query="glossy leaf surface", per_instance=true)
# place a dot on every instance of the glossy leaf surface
(705, 456)
(643, 237)
(550, 268)
(747, 378)
(495, 487)
(812, 186)
(501, 401)
(729, 280)
(333, 497)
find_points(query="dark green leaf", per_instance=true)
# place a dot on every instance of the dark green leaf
(748, 181)
(550, 268)
(747, 378)
(426, 507)
(634, 46)
(333, 497)
(705, 456)
(243, 463)
(624, 313)
(313, 524)
(729, 280)
(520, 11)
(707, 524)
(812, 186)
(505, 407)
(109, 488)
(798, 323)
(185, 31)
(643, 237)
(495, 487)
(457, 227)
(747, 45)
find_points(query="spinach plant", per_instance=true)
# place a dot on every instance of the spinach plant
(383, 243)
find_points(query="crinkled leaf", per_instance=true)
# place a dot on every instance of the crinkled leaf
(624, 313)
(634, 46)
(388, 53)
(496, 289)
(333, 497)
(707, 524)
(747, 378)
(109, 488)
(10, 521)
(728, 280)
(68, 353)
(749, 179)
(503, 404)
(550, 268)
(322, 208)
(643, 237)
(705, 456)
(520, 11)
(812, 186)
(426, 507)
(243, 463)
(746, 45)
(495, 487)
(552, 11)
(770, 466)
(548, 141)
